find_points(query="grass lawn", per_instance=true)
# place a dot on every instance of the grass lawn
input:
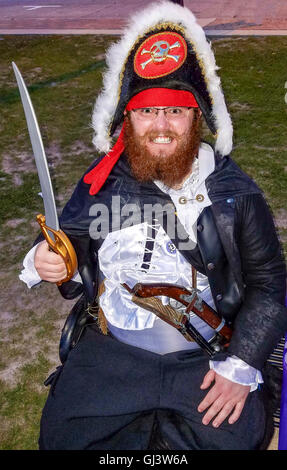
(63, 74)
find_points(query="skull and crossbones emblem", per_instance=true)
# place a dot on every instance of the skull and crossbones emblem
(159, 52)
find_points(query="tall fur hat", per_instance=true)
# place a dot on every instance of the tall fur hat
(163, 46)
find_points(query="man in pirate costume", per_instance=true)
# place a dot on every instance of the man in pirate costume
(132, 381)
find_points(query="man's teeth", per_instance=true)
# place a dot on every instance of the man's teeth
(162, 140)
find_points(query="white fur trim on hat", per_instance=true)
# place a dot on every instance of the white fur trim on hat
(116, 57)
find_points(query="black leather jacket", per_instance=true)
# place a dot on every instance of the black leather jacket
(238, 249)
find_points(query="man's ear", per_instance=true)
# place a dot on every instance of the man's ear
(199, 113)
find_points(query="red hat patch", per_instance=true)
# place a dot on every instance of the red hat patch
(160, 55)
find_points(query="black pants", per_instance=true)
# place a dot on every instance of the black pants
(112, 396)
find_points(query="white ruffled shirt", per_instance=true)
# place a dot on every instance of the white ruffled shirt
(121, 261)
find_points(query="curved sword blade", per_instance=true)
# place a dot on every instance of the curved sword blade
(39, 153)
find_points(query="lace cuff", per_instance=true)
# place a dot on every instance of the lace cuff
(29, 274)
(237, 371)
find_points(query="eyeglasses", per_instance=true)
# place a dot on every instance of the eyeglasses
(171, 113)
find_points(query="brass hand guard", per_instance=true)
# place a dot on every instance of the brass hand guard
(61, 245)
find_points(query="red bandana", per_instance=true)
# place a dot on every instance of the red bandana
(161, 97)
(145, 99)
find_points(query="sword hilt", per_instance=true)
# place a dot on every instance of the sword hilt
(60, 245)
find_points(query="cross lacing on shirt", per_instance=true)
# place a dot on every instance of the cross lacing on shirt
(151, 245)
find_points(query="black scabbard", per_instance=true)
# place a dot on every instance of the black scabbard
(200, 340)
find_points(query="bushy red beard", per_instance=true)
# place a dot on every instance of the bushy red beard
(170, 169)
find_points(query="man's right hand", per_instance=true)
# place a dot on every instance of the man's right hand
(48, 264)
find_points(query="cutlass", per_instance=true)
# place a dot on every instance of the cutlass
(49, 223)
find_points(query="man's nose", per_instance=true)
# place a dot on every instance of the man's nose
(161, 122)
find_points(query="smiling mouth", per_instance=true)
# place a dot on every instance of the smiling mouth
(162, 140)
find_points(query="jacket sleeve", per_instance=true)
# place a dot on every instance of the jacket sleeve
(262, 317)
(75, 222)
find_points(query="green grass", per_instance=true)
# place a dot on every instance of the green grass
(21, 408)
(63, 75)
(253, 72)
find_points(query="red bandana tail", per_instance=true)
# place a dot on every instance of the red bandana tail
(98, 175)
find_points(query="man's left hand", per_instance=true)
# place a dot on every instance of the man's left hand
(223, 399)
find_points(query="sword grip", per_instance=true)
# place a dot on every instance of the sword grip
(61, 245)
